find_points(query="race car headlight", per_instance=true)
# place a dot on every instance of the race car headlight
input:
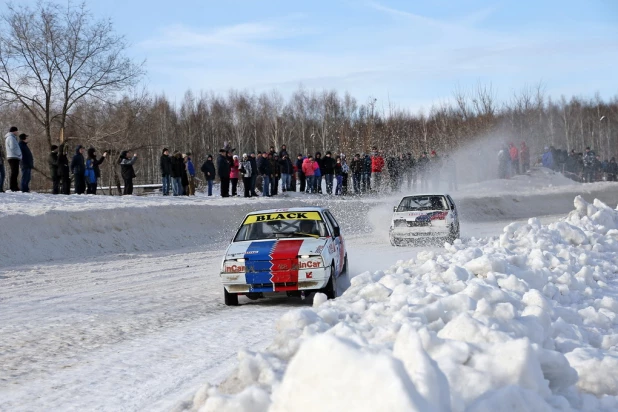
(400, 223)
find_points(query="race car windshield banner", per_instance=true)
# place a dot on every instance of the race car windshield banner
(268, 217)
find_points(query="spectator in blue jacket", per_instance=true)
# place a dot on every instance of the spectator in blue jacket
(548, 159)
(191, 173)
(27, 163)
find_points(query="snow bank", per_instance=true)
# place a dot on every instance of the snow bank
(37, 227)
(524, 321)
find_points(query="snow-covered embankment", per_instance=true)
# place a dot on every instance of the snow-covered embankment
(525, 321)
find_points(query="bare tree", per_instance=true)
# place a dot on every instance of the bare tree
(52, 57)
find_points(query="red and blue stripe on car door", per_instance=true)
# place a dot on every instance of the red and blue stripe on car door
(272, 265)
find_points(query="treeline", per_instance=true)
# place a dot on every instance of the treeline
(310, 121)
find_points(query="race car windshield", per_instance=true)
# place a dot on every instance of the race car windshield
(412, 203)
(278, 229)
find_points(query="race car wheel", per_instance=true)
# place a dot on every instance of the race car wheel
(395, 241)
(330, 290)
(231, 299)
(344, 272)
(453, 235)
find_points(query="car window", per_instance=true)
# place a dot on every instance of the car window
(331, 219)
(413, 203)
(329, 224)
(277, 226)
(452, 203)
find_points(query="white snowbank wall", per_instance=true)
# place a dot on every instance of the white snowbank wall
(523, 322)
(37, 228)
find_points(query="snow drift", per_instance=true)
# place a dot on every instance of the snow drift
(524, 321)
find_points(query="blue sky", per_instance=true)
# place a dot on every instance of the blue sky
(411, 53)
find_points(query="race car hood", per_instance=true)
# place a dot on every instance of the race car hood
(275, 249)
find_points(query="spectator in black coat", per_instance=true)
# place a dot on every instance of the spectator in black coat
(328, 171)
(64, 170)
(178, 166)
(126, 171)
(254, 174)
(95, 163)
(265, 171)
(223, 170)
(52, 161)
(287, 169)
(165, 166)
(78, 168)
(27, 163)
(612, 170)
(299, 170)
(208, 168)
(275, 173)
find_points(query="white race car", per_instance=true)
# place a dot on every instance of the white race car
(423, 217)
(293, 251)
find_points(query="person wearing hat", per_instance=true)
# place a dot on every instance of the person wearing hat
(300, 175)
(126, 162)
(208, 168)
(93, 170)
(52, 161)
(13, 156)
(78, 169)
(223, 170)
(27, 163)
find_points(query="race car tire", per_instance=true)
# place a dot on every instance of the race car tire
(330, 290)
(345, 271)
(231, 299)
(395, 241)
(453, 235)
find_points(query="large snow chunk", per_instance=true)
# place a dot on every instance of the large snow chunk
(512, 363)
(424, 371)
(329, 374)
(597, 370)
(481, 266)
(570, 233)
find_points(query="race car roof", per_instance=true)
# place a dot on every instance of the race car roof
(292, 209)
(425, 194)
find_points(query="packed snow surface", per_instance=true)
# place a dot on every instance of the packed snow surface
(525, 321)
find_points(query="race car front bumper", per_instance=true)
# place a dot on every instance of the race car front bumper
(419, 232)
(279, 281)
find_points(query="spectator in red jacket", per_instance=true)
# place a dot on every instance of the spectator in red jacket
(234, 174)
(309, 171)
(377, 164)
(514, 153)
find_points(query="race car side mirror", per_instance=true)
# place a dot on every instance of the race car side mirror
(394, 208)
(336, 232)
